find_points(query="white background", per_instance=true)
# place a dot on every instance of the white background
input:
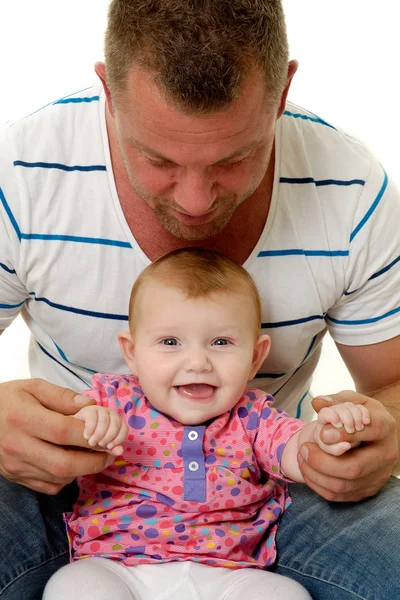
(348, 51)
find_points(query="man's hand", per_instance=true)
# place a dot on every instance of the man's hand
(361, 472)
(37, 436)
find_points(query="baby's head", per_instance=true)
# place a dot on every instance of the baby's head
(194, 334)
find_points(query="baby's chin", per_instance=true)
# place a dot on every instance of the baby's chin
(188, 420)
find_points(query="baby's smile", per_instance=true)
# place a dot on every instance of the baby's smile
(202, 392)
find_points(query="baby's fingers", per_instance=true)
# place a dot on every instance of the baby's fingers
(330, 415)
(103, 420)
(353, 416)
(112, 430)
(90, 423)
(121, 435)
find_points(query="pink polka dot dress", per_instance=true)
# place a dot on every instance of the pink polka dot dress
(210, 493)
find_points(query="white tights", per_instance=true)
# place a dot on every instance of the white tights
(104, 579)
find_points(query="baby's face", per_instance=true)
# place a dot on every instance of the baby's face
(193, 357)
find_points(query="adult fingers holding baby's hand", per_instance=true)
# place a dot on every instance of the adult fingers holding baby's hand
(361, 472)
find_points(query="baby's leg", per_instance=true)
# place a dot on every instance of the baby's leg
(89, 579)
(255, 584)
(249, 584)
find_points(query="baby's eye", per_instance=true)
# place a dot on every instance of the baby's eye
(170, 342)
(220, 342)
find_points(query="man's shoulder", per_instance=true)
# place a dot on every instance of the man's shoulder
(307, 134)
(59, 122)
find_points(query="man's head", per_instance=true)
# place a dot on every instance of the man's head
(201, 51)
(194, 338)
(195, 89)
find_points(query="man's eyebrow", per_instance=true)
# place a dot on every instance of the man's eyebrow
(154, 153)
(165, 159)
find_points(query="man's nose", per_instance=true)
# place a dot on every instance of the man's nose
(195, 193)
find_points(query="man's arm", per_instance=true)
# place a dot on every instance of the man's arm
(363, 471)
(375, 370)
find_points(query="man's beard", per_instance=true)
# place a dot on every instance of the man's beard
(224, 208)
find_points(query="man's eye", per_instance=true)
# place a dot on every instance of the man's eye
(220, 342)
(170, 342)
(235, 163)
(159, 164)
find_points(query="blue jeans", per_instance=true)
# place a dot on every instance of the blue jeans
(336, 551)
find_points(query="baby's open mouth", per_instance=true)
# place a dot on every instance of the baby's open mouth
(196, 391)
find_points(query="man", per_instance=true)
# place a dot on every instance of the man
(191, 142)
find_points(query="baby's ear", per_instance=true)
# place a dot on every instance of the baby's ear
(260, 353)
(128, 349)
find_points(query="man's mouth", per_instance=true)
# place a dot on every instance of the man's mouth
(196, 391)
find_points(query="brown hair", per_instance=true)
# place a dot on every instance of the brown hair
(199, 50)
(198, 273)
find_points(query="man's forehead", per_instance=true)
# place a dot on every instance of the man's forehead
(149, 107)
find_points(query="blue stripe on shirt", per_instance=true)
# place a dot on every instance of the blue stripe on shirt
(291, 322)
(365, 321)
(79, 311)
(9, 306)
(11, 271)
(64, 357)
(54, 102)
(64, 238)
(58, 362)
(86, 99)
(372, 208)
(279, 375)
(10, 214)
(298, 411)
(301, 252)
(321, 182)
(377, 274)
(44, 165)
(307, 118)
(74, 238)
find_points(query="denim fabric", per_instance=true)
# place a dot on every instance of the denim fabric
(33, 539)
(336, 551)
(342, 551)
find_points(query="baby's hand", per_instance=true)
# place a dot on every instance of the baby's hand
(104, 428)
(353, 417)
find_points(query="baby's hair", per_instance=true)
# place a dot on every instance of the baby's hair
(198, 273)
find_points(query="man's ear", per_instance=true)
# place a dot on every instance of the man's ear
(128, 349)
(292, 68)
(261, 351)
(100, 69)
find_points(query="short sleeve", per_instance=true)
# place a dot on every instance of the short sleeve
(275, 428)
(368, 311)
(98, 390)
(12, 290)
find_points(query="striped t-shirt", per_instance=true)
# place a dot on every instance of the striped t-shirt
(328, 257)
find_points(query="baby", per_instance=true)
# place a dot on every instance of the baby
(190, 507)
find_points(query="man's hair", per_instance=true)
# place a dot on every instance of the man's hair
(199, 50)
(198, 273)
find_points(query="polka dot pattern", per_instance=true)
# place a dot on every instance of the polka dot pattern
(135, 511)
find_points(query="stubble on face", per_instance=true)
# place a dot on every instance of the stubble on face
(224, 208)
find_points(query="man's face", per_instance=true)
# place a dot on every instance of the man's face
(194, 171)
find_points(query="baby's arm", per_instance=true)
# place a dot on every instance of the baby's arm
(353, 417)
(103, 428)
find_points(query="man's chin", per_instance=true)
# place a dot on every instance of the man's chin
(192, 233)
